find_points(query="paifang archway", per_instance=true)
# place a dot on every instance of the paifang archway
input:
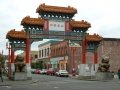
(53, 22)
(17, 40)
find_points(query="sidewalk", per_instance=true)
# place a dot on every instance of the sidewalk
(7, 82)
(112, 80)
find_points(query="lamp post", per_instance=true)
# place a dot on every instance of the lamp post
(9, 48)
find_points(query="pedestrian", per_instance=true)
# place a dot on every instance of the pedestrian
(113, 74)
(1, 74)
(118, 73)
(73, 72)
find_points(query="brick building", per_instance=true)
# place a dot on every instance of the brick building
(110, 47)
(64, 55)
(33, 55)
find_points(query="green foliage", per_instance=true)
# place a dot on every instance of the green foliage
(37, 65)
(2, 60)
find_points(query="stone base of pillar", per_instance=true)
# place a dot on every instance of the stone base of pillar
(20, 76)
(28, 71)
(87, 71)
(86, 77)
(12, 71)
(104, 76)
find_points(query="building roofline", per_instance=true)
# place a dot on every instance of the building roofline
(47, 42)
(111, 39)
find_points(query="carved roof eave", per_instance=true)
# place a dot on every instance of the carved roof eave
(93, 38)
(28, 21)
(56, 9)
(80, 24)
(17, 35)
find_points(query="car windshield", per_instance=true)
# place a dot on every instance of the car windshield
(63, 71)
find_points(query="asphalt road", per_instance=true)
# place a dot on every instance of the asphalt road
(45, 82)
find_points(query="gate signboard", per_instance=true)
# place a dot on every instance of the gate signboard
(55, 25)
(18, 46)
(36, 34)
(57, 29)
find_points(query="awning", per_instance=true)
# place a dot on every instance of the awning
(56, 60)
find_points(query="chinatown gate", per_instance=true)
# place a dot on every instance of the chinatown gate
(53, 23)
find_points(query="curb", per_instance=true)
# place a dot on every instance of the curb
(11, 83)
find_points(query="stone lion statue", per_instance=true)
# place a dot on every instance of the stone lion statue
(19, 63)
(104, 66)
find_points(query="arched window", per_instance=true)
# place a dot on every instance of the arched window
(45, 52)
(39, 53)
(42, 53)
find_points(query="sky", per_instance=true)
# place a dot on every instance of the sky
(104, 16)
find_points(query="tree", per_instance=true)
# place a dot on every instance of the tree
(36, 65)
(2, 60)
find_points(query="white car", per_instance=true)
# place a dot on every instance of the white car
(62, 73)
(44, 71)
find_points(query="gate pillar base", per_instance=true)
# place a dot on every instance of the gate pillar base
(28, 71)
(20, 76)
(87, 71)
(104, 76)
(12, 71)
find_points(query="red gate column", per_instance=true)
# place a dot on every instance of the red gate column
(83, 62)
(12, 71)
(95, 57)
(95, 60)
(12, 55)
(84, 52)
(27, 51)
(28, 66)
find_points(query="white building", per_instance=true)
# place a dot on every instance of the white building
(44, 53)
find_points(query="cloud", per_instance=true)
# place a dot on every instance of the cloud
(108, 25)
(104, 15)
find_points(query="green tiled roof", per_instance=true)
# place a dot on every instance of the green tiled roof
(51, 42)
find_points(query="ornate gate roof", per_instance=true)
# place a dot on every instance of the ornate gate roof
(40, 22)
(80, 24)
(12, 34)
(93, 38)
(56, 9)
(32, 21)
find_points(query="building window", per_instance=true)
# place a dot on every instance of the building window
(65, 50)
(36, 56)
(45, 52)
(40, 53)
(48, 51)
(59, 51)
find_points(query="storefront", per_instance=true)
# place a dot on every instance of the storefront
(59, 62)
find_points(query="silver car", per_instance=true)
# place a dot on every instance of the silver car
(62, 73)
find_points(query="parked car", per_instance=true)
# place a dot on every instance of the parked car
(50, 71)
(32, 71)
(44, 71)
(62, 73)
(37, 71)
